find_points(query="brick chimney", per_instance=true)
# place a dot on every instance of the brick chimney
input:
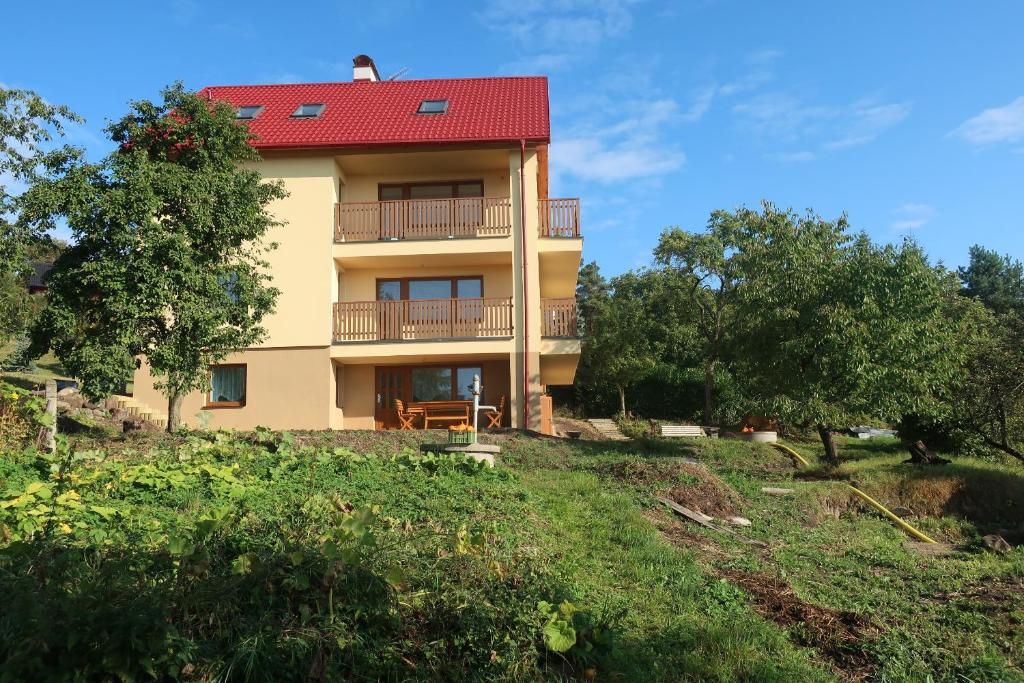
(363, 69)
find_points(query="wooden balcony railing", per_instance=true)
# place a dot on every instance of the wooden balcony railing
(559, 217)
(558, 317)
(422, 319)
(415, 219)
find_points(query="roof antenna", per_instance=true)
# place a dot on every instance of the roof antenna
(398, 74)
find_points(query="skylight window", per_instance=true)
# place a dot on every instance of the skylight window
(248, 111)
(433, 107)
(308, 111)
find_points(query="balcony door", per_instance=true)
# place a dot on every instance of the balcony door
(429, 308)
(440, 209)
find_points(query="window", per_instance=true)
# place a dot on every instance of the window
(227, 386)
(431, 384)
(445, 190)
(229, 281)
(308, 111)
(248, 111)
(413, 289)
(464, 381)
(433, 107)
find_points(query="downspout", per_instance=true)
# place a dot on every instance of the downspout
(526, 286)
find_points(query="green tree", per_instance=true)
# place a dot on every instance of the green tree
(833, 328)
(168, 254)
(28, 129)
(617, 349)
(709, 279)
(997, 281)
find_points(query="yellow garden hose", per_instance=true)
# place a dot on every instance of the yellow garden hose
(888, 513)
(796, 456)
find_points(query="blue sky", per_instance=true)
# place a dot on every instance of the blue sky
(909, 116)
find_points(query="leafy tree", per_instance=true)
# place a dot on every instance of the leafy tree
(711, 277)
(168, 260)
(997, 281)
(591, 289)
(28, 126)
(833, 328)
(617, 349)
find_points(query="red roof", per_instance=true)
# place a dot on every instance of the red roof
(384, 112)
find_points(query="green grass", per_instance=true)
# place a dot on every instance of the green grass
(559, 520)
(47, 367)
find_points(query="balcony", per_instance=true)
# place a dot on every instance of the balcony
(423, 219)
(363, 321)
(559, 217)
(558, 317)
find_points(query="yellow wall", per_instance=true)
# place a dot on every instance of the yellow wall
(302, 266)
(285, 389)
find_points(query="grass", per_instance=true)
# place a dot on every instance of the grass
(47, 367)
(836, 594)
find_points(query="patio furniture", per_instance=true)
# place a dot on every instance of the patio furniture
(682, 430)
(494, 417)
(406, 416)
(445, 411)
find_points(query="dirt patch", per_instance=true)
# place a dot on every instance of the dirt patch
(707, 493)
(840, 636)
(563, 425)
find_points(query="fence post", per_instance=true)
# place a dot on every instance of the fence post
(51, 412)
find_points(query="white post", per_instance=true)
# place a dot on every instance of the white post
(51, 412)
(475, 388)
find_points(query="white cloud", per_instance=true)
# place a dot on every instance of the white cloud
(780, 117)
(616, 150)
(911, 216)
(562, 31)
(998, 124)
(793, 157)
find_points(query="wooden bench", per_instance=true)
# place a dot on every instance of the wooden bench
(682, 430)
(445, 411)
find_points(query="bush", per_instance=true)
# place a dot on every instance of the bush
(22, 415)
(239, 558)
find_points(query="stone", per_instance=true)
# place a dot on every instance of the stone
(996, 543)
(902, 512)
(775, 492)
(137, 425)
(739, 521)
(67, 391)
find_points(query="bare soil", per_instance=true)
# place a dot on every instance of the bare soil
(707, 493)
(842, 637)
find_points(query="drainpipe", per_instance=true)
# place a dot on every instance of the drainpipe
(526, 286)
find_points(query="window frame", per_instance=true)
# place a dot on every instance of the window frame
(210, 403)
(407, 187)
(404, 286)
(319, 112)
(444, 109)
(257, 107)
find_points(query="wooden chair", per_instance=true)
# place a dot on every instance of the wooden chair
(405, 417)
(494, 417)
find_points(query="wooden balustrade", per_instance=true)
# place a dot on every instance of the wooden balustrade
(422, 319)
(423, 219)
(558, 317)
(559, 217)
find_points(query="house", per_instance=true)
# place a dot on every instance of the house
(37, 278)
(420, 248)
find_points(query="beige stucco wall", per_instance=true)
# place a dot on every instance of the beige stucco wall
(302, 266)
(285, 389)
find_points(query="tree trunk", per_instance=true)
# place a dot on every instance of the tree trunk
(920, 455)
(622, 401)
(831, 454)
(709, 391)
(174, 402)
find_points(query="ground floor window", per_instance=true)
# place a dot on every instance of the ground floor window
(443, 383)
(227, 386)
